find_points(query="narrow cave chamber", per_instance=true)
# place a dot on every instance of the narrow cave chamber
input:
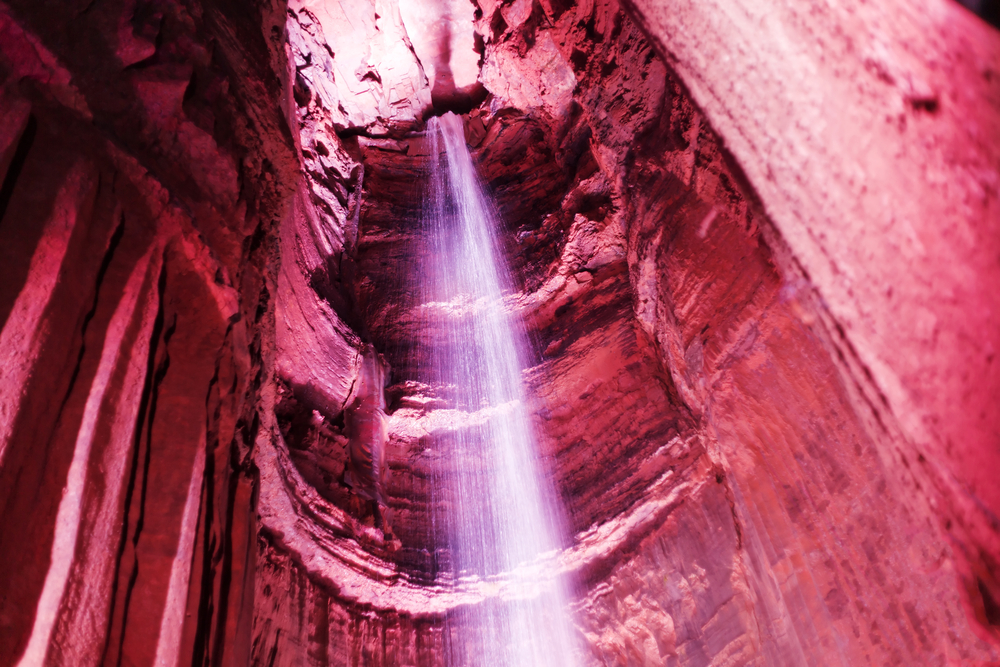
(755, 287)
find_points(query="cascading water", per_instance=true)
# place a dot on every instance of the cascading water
(502, 515)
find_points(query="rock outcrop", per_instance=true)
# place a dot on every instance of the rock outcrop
(754, 251)
(144, 166)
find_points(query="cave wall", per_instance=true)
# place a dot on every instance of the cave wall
(758, 290)
(883, 192)
(139, 159)
(675, 332)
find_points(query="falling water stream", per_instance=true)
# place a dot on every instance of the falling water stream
(501, 512)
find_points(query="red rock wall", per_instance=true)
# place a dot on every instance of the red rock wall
(665, 312)
(758, 290)
(748, 348)
(135, 169)
(869, 134)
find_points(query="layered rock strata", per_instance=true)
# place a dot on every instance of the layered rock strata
(763, 366)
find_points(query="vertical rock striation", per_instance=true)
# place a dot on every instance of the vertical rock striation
(142, 167)
(754, 250)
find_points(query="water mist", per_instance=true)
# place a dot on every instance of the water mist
(501, 512)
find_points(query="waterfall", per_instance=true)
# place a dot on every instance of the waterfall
(502, 514)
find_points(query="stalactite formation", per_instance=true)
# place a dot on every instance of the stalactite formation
(753, 248)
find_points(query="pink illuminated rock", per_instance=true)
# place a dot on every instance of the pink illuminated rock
(443, 38)
(754, 250)
(869, 134)
(356, 56)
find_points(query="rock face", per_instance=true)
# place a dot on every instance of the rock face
(755, 253)
(143, 167)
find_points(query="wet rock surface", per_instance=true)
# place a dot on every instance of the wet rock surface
(766, 431)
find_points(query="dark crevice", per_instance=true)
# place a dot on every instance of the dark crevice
(161, 372)
(116, 237)
(988, 10)
(17, 163)
(226, 576)
(201, 655)
(457, 101)
(205, 607)
(144, 408)
(990, 606)
(273, 655)
(346, 133)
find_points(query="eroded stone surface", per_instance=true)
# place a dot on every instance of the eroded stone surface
(218, 206)
(126, 250)
(889, 170)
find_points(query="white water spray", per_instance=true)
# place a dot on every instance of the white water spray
(503, 516)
